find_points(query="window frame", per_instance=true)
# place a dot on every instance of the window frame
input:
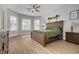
(16, 23)
(36, 24)
(26, 25)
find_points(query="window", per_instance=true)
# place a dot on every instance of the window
(36, 24)
(13, 23)
(26, 24)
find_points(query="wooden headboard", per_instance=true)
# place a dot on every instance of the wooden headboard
(58, 24)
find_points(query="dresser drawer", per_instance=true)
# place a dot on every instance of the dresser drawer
(72, 37)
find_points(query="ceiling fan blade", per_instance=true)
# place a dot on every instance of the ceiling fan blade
(34, 6)
(38, 7)
(37, 10)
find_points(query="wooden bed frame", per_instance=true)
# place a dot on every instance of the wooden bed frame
(39, 36)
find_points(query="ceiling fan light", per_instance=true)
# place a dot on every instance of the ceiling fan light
(33, 9)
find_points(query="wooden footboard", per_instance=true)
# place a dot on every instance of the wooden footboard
(39, 37)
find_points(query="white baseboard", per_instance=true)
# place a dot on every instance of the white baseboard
(19, 34)
(13, 35)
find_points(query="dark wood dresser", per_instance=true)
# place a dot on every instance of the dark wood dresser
(72, 37)
(4, 42)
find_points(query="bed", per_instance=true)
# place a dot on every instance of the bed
(52, 33)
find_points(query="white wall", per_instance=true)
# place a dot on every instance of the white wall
(64, 13)
(1, 17)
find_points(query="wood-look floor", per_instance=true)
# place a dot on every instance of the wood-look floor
(26, 45)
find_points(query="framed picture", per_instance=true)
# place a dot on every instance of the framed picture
(74, 15)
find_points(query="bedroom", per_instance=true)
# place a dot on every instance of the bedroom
(23, 19)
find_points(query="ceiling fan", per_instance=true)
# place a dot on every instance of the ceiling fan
(34, 8)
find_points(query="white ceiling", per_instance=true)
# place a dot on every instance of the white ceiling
(44, 8)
